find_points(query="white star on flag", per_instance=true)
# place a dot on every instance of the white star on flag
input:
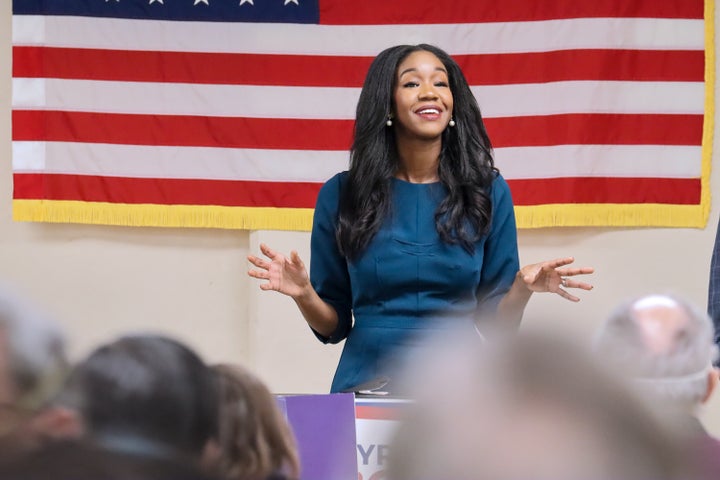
(292, 1)
(159, 1)
(247, 1)
(206, 2)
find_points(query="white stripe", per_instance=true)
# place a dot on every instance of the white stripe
(591, 97)
(339, 103)
(28, 156)
(142, 161)
(186, 99)
(29, 91)
(359, 40)
(661, 161)
(312, 166)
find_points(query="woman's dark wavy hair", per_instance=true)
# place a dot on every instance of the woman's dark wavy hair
(466, 166)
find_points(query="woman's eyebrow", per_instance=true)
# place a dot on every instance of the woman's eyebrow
(413, 69)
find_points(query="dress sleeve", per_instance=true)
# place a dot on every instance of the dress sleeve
(328, 268)
(500, 259)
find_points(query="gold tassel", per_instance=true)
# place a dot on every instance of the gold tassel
(137, 215)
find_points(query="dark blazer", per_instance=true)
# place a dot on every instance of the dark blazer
(714, 289)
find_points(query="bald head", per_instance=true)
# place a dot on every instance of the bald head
(664, 343)
(661, 322)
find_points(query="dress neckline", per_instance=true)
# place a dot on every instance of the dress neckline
(405, 182)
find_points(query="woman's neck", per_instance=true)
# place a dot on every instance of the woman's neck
(419, 161)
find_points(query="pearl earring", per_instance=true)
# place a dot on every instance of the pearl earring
(389, 121)
(451, 123)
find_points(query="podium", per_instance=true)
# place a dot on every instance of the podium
(341, 437)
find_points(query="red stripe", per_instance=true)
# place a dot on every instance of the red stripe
(563, 65)
(302, 195)
(189, 67)
(239, 132)
(235, 132)
(676, 191)
(333, 71)
(596, 129)
(378, 413)
(377, 12)
(91, 188)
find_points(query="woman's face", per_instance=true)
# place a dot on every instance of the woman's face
(423, 100)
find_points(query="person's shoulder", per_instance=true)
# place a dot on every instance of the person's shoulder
(331, 189)
(337, 179)
(329, 194)
(499, 185)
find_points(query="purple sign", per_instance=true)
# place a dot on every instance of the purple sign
(324, 426)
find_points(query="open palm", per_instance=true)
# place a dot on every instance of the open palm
(284, 274)
(551, 277)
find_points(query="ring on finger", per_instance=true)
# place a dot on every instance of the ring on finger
(564, 281)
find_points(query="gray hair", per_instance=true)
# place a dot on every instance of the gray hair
(35, 351)
(678, 376)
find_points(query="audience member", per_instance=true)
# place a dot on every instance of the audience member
(33, 366)
(529, 407)
(256, 443)
(85, 460)
(148, 407)
(146, 395)
(666, 346)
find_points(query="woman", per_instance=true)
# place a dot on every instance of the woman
(420, 228)
(255, 441)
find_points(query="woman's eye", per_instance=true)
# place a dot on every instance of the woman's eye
(441, 84)
(410, 84)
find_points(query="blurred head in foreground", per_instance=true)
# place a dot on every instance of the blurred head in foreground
(146, 395)
(665, 345)
(255, 440)
(33, 366)
(529, 407)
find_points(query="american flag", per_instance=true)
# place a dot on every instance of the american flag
(232, 113)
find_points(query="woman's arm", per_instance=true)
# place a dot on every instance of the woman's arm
(540, 277)
(289, 276)
(324, 297)
(512, 306)
(506, 288)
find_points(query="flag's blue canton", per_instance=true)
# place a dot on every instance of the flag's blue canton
(270, 11)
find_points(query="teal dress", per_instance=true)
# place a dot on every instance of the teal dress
(408, 282)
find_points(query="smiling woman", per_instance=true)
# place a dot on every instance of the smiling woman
(423, 100)
(419, 235)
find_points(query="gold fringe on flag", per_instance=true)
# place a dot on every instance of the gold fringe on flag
(241, 218)
(611, 215)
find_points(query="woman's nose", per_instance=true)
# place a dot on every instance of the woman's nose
(428, 92)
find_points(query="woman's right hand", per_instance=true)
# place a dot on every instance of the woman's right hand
(286, 275)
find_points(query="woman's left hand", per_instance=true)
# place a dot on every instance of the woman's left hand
(551, 277)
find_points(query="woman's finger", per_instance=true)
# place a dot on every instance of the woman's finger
(573, 284)
(571, 272)
(567, 296)
(258, 262)
(295, 258)
(530, 278)
(260, 274)
(559, 262)
(268, 252)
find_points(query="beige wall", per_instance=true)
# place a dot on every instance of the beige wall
(191, 283)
